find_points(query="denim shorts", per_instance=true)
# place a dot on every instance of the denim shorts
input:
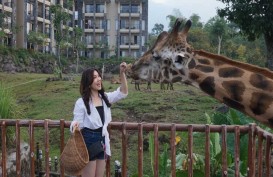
(90, 137)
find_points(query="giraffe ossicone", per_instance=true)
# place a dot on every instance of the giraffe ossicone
(245, 87)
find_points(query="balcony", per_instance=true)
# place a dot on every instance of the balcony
(43, 15)
(258, 142)
(47, 2)
(94, 14)
(128, 29)
(129, 15)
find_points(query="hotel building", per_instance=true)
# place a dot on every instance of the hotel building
(111, 27)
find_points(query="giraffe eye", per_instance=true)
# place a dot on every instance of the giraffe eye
(157, 57)
(179, 59)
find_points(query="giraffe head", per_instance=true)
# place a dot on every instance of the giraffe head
(147, 67)
(166, 60)
(175, 48)
(158, 65)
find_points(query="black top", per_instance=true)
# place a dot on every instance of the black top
(101, 113)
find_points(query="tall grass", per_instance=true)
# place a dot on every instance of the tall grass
(8, 109)
(7, 103)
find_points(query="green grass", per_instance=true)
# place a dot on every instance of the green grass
(55, 100)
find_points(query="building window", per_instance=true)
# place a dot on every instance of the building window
(101, 24)
(88, 54)
(142, 40)
(108, 26)
(108, 39)
(124, 40)
(76, 15)
(89, 8)
(124, 24)
(135, 8)
(135, 54)
(136, 40)
(135, 24)
(143, 25)
(88, 24)
(89, 39)
(99, 8)
(124, 8)
(102, 55)
(116, 25)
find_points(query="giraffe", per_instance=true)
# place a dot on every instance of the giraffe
(242, 86)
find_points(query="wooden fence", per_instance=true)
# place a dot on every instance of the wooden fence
(259, 145)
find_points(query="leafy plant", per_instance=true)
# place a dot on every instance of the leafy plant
(232, 117)
(163, 157)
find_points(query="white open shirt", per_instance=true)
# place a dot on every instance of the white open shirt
(93, 121)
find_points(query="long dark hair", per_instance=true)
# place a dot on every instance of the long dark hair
(85, 90)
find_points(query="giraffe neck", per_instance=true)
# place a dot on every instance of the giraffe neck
(244, 87)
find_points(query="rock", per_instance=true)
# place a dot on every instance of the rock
(11, 161)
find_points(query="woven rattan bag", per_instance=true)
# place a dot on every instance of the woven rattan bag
(75, 155)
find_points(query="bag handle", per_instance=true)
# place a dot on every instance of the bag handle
(75, 128)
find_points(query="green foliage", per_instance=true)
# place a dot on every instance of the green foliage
(7, 103)
(152, 151)
(22, 53)
(9, 109)
(157, 29)
(163, 161)
(60, 17)
(4, 50)
(232, 117)
(36, 38)
(251, 16)
(163, 157)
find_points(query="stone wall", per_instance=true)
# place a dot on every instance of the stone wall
(46, 66)
(9, 64)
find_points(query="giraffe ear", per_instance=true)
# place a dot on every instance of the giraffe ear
(186, 27)
(176, 27)
(163, 35)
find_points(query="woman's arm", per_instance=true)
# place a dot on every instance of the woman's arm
(78, 113)
(123, 80)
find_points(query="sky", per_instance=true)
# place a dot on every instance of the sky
(158, 10)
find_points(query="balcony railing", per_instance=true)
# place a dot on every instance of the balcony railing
(259, 145)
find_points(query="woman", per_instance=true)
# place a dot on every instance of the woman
(92, 114)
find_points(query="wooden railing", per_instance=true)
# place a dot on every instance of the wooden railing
(259, 145)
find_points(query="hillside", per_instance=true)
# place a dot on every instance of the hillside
(43, 99)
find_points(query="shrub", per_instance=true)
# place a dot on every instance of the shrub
(4, 50)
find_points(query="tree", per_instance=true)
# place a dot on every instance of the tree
(253, 18)
(37, 38)
(176, 14)
(60, 16)
(157, 29)
(195, 20)
(218, 28)
(78, 44)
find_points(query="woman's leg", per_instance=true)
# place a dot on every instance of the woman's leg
(90, 169)
(100, 168)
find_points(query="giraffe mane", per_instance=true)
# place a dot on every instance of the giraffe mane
(246, 66)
